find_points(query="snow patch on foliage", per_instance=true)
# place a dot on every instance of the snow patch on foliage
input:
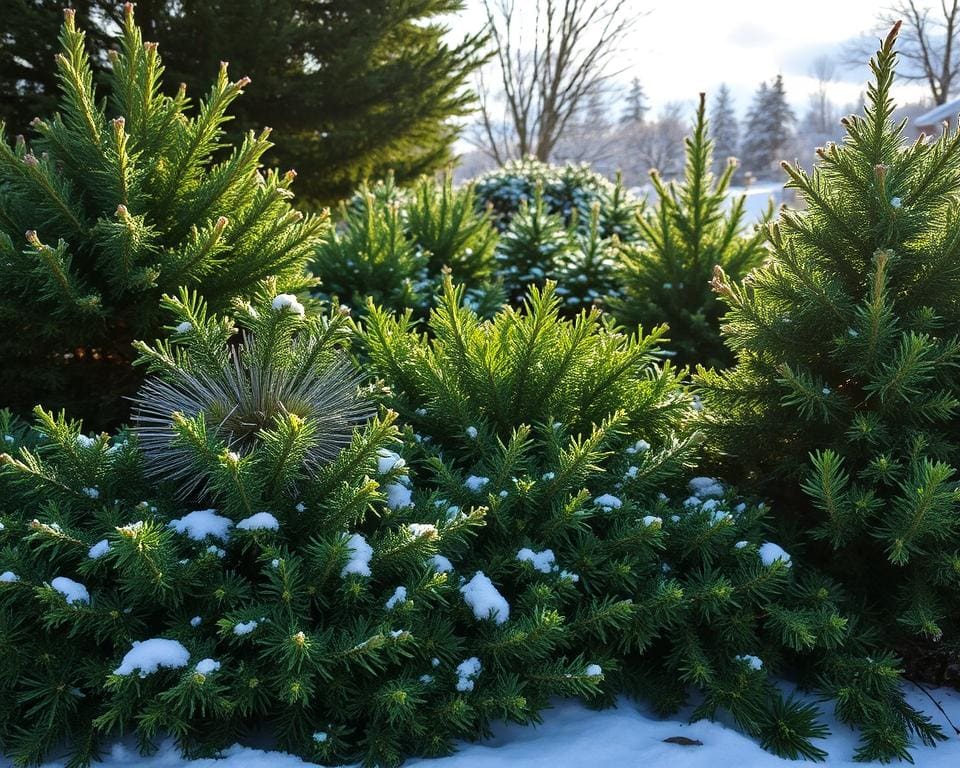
(262, 521)
(150, 655)
(770, 553)
(8, 577)
(287, 301)
(73, 591)
(99, 549)
(245, 628)
(441, 564)
(468, 671)
(545, 561)
(751, 661)
(705, 487)
(608, 501)
(475, 482)
(202, 523)
(480, 594)
(206, 666)
(399, 597)
(360, 555)
(398, 496)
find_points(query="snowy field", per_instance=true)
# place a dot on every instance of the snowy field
(574, 737)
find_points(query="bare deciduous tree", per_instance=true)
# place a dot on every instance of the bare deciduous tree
(928, 44)
(552, 55)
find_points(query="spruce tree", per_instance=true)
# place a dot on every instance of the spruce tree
(124, 194)
(724, 129)
(689, 230)
(768, 129)
(846, 384)
(635, 106)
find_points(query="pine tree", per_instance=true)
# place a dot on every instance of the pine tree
(635, 107)
(724, 129)
(665, 277)
(846, 380)
(122, 197)
(768, 129)
(576, 442)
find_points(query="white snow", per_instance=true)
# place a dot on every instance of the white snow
(388, 460)
(422, 529)
(545, 561)
(573, 736)
(245, 628)
(475, 483)
(99, 549)
(206, 666)
(195, 621)
(399, 597)
(639, 447)
(70, 589)
(467, 672)
(398, 496)
(184, 327)
(441, 564)
(753, 662)
(741, 544)
(287, 301)
(85, 441)
(649, 520)
(150, 655)
(202, 523)
(360, 556)
(472, 433)
(8, 577)
(608, 501)
(593, 670)
(480, 594)
(262, 521)
(704, 487)
(770, 553)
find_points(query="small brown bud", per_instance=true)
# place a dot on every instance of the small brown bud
(122, 211)
(35, 122)
(290, 175)
(128, 9)
(68, 15)
(151, 48)
(119, 122)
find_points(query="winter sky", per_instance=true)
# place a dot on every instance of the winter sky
(682, 47)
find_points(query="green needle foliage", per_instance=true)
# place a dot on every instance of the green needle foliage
(846, 383)
(392, 245)
(259, 580)
(665, 276)
(125, 195)
(571, 435)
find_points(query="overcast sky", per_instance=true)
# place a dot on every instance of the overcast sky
(682, 47)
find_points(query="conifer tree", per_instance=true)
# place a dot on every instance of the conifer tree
(576, 442)
(768, 129)
(635, 107)
(685, 234)
(123, 195)
(352, 88)
(724, 129)
(846, 381)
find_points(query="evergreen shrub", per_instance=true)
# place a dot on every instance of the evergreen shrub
(843, 402)
(124, 194)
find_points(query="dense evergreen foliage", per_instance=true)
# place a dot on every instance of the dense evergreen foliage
(353, 88)
(846, 377)
(122, 197)
(568, 191)
(689, 230)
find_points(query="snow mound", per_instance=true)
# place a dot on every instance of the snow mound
(150, 655)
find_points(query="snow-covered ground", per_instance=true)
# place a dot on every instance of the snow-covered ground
(575, 737)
